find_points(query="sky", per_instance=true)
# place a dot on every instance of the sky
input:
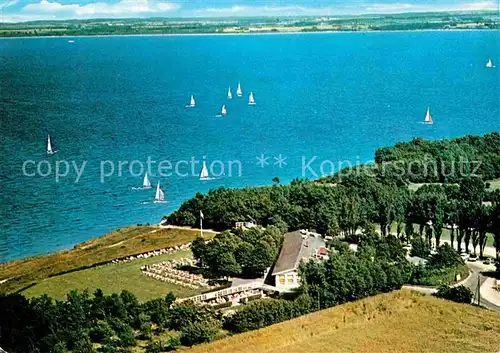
(29, 10)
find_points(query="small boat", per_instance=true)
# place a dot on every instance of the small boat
(251, 100)
(229, 94)
(49, 146)
(239, 93)
(223, 111)
(204, 172)
(192, 103)
(160, 196)
(489, 64)
(146, 184)
(428, 117)
(71, 41)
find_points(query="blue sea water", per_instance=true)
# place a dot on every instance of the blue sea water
(331, 96)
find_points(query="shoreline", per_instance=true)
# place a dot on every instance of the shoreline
(263, 33)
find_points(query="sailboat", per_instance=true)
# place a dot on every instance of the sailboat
(192, 103)
(160, 196)
(251, 100)
(238, 91)
(223, 111)
(489, 64)
(146, 184)
(204, 172)
(49, 146)
(428, 117)
(229, 94)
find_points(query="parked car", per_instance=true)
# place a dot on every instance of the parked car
(464, 256)
(472, 258)
(489, 261)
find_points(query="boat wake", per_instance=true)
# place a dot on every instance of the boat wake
(208, 179)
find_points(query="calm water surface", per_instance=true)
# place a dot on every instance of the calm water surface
(333, 96)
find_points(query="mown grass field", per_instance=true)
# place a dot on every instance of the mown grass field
(396, 322)
(113, 278)
(120, 243)
(494, 184)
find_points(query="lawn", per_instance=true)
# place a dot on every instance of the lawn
(113, 278)
(401, 321)
(494, 184)
(120, 243)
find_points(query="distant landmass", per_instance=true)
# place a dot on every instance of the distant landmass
(395, 22)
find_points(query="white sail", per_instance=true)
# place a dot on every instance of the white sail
(146, 183)
(192, 103)
(489, 64)
(160, 196)
(229, 94)
(49, 146)
(239, 93)
(428, 117)
(223, 110)
(251, 100)
(204, 172)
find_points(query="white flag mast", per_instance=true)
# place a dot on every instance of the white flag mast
(201, 223)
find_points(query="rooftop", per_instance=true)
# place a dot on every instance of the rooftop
(294, 249)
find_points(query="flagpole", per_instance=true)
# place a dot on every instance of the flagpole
(201, 223)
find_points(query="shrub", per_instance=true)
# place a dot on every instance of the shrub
(127, 337)
(261, 313)
(83, 345)
(446, 256)
(100, 332)
(173, 343)
(419, 247)
(459, 294)
(186, 313)
(154, 347)
(199, 332)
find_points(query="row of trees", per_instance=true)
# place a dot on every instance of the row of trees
(347, 207)
(462, 207)
(116, 322)
(443, 161)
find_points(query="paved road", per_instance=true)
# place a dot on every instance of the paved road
(472, 282)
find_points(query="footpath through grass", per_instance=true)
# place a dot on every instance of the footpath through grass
(402, 321)
(117, 244)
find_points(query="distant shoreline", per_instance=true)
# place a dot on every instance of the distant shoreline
(249, 33)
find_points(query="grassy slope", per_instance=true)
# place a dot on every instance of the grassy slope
(113, 278)
(396, 322)
(114, 245)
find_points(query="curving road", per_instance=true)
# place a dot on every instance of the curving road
(473, 281)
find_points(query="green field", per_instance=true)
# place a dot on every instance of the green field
(117, 244)
(494, 184)
(114, 278)
(396, 322)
